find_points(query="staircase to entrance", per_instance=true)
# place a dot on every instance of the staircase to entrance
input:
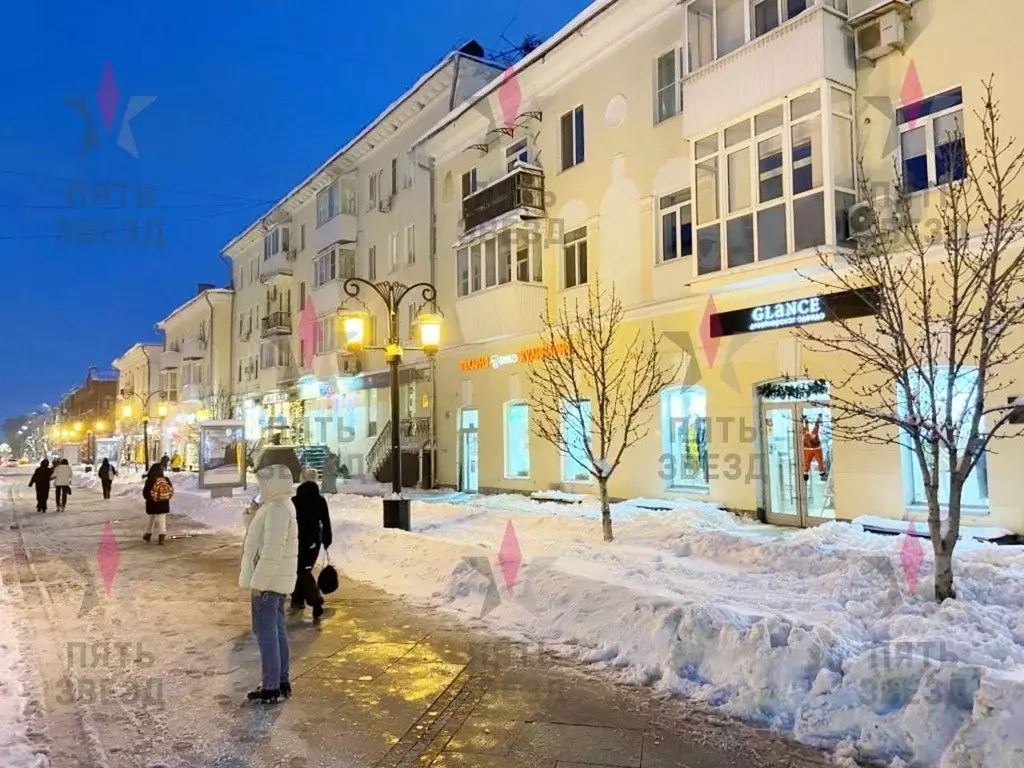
(416, 453)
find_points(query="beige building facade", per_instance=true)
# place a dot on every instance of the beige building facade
(366, 213)
(195, 369)
(138, 387)
(698, 156)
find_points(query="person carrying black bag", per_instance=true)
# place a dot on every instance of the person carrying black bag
(106, 474)
(314, 523)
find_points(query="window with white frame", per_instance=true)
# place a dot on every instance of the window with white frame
(499, 258)
(668, 96)
(410, 244)
(574, 258)
(469, 183)
(517, 440)
(393, 250)
(326, 336)
(328, 203)
(684, 438)
(325, 268)
(716, 28)
(932, 144)
(573, 143)
(371, 262)
(169, 384)
(371, 192)
(519, 152)
(761, 184)
(676, 236)
(576, 420)
(963, 392)
(274, 242)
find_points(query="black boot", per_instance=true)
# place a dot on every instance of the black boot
(160, 539)
(147, 537)
(264, 696)
(286, 689)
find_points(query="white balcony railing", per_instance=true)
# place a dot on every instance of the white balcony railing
(341, 229)
(170, 359)
(506, 310)
(813, 46)
(193, 349)
(281, 264)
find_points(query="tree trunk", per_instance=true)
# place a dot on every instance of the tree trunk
(606, 509)
(944, 545)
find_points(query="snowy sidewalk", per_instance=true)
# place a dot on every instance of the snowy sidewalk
(145, 657)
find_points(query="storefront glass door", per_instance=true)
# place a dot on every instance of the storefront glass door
(469, 452)
(797, 458)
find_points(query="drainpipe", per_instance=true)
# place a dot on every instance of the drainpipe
(429, 167)
(231, 336)
(209, 350)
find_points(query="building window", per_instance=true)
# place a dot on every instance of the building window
(274, 242)
(371, 262)
(302, 296)
(517, 440)
(394, 175)
(573, 145)
(668, 90)
(325, 268)
(500, 258)
(517, 153)
(684, 437)
(975, 491)
(326, 336)
(328, 203)
(371, 412)
(393, 250)
(574, 258)
(410, 244)
(762, 183)
(932, 141)
(372, 191)
(576, 433)
(469, 183)
(676, 225)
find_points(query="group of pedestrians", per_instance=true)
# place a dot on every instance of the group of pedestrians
(283, 540)
(59, 476)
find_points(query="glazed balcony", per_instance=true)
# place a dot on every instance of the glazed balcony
(522, 189)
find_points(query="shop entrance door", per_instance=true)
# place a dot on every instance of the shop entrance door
(469, 450)
(797, 463)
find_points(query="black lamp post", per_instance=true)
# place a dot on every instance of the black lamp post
(145, 419)
(396, 508)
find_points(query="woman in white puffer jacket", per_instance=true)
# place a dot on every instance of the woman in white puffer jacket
(270, 558)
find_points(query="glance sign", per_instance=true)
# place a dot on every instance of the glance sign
(845, 305)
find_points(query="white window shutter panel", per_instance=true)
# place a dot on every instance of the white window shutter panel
(467, 393)
(513, 387)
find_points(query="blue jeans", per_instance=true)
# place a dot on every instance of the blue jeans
(268, 626)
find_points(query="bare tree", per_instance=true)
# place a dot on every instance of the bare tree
(219, 403)
(930, 371)
(592, 391)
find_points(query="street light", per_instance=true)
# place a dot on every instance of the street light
(126, 412)
(353, 326)
(100, 426)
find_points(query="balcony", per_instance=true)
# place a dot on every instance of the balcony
(340, 229)
(276, 324)
(512, 309)
(192, 393)
(328, 296)
(193, 349)
(279, 265)
(170, 359)
(810, 47)
(520, 190)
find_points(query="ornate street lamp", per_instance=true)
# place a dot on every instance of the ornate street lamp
(353, 327)
(126, 412)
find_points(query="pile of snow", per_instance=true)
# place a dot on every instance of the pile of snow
(820, 633)
(15, 747)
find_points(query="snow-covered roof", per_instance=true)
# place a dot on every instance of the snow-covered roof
(208, 292)
(366, 130)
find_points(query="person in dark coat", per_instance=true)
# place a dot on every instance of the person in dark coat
(156, 509)
(165, 461)
(314, 521)
(106, 474)
(41, 481)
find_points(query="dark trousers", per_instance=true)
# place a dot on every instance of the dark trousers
(306, 591)
(42, 496)
(106, 483)
(61, 495)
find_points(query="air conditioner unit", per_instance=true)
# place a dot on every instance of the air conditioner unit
(865, 218)
(384, 206)
(291, 254)
(349, 365)
(882, 35)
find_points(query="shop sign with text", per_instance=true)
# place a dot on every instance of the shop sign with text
(845, 305)
(528, 355)
(312, 390)
(275, 397)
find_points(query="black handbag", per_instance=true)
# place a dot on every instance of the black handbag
(327, 581)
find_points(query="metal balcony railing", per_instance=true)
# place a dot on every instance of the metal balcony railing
(276, 324)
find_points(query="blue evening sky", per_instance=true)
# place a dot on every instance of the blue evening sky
(251, 95)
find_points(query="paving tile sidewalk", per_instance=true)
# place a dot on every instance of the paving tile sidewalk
(381, 684)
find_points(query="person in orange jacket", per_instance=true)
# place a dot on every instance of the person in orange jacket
(813, 452)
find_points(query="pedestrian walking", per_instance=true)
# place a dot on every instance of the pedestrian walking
(330, 484)
(158, 492)
(314, 521)
(106, 473)
(165, 462)
(41, 481)
(62, 484)
(177, 462)
(268, 569)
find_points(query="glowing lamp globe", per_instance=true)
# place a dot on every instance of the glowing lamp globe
(430, 332)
